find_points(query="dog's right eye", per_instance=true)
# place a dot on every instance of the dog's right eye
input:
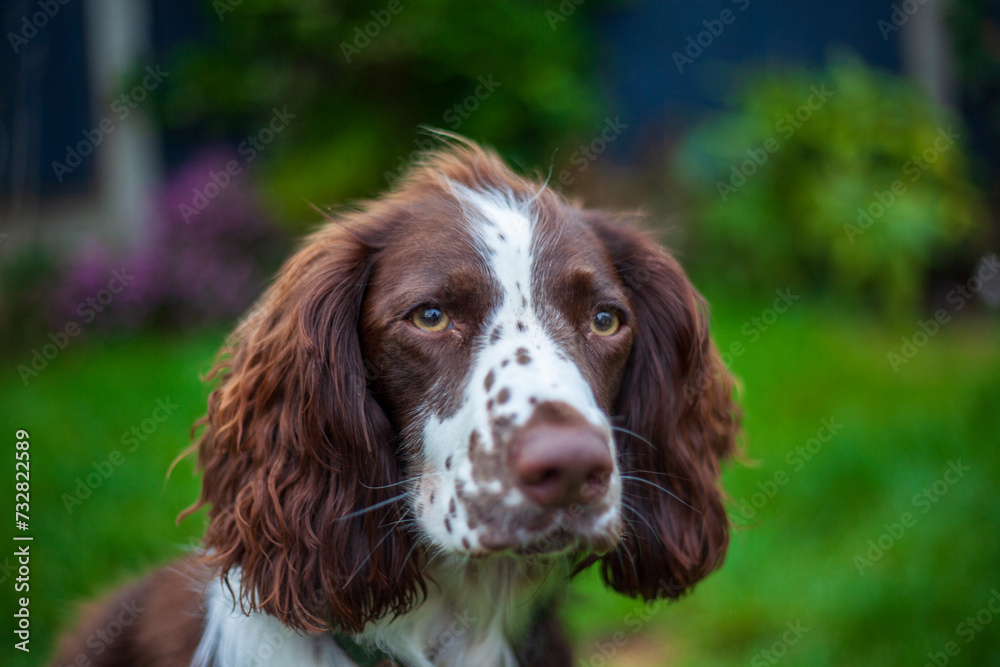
(431, 319)
(605, 323)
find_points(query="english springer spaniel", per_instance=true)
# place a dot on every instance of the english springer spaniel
(448, 403)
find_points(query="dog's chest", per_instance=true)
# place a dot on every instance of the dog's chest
(472, 617)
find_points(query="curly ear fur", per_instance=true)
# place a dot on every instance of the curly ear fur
(295, 450)
(676, 397)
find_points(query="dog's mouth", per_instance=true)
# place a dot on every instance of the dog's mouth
(555, 533)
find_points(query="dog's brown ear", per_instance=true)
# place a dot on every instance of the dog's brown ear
(296, 455)
(676, 398)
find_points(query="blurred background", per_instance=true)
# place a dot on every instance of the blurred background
(827, 172)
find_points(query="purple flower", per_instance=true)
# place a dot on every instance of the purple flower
(209, 251)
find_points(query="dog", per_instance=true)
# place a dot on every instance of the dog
(449, 402)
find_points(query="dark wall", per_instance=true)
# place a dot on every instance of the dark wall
(44, 102)
(661, 95)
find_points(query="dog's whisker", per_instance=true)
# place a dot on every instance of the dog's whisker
(633, 434)
(664, 474)
(403, 517)
(407, 557)
(404, 481)
(371, 508)
(388, 533)
(657, 486)
(639, 515)
(622, 551)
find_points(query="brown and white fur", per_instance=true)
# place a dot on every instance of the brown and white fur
(429, 492)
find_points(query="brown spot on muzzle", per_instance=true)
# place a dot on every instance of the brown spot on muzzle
(518, 457)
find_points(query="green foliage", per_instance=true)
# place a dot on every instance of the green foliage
(25, 281)
(360, 80)
(793, 561)
(788, 194)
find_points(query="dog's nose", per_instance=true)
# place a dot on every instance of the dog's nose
(558, 466)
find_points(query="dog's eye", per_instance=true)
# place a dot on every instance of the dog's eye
(605, 323)
(429, 318)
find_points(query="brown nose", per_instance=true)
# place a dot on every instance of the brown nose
(557, 466)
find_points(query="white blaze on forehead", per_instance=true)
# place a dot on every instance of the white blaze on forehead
(504, 229)
(506, 234)
(510, 373)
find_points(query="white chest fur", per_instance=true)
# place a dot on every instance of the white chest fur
(468, 618)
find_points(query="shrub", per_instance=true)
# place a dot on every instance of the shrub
(362, 76)
(858, 194)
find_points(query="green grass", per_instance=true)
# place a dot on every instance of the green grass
(792, 562)
(77, 411)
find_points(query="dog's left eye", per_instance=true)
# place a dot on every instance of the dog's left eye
(429, 318)
(605, 323)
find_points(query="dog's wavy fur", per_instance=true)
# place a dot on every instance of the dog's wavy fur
(297, 443)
